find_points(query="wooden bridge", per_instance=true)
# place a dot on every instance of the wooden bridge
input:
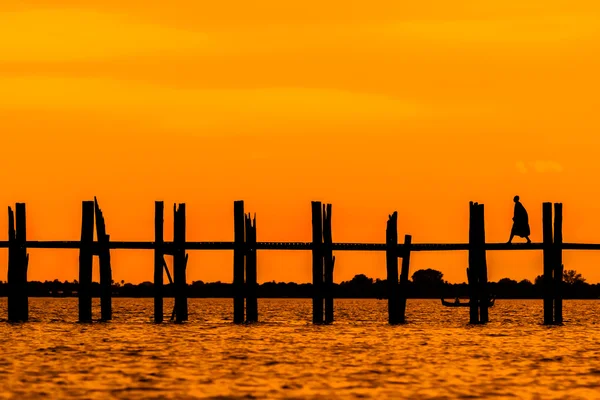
(244, 246)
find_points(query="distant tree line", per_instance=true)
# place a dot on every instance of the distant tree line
(425, 283)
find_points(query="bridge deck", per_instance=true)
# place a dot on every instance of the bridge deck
(132, 245)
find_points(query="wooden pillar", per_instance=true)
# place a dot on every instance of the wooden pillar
(391, 252)
(558, 265)
(329, 263)
(404, 276)
(21, 239)
(18, 263)
(13, 267)
(473, 270)
(251, 271)
(86, 258)
(159, 209)
(317, 262)
(238, 262)
(548, 262)
(484, 296)
(105, 267)
(180, 264)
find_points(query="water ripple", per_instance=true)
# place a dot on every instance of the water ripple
(437, 355)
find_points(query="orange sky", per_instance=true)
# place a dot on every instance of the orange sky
(374, 106)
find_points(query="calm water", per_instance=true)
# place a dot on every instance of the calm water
(436, 355)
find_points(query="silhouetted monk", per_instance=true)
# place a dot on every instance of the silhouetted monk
(520, 222)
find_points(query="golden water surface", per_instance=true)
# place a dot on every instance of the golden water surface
(435, 356)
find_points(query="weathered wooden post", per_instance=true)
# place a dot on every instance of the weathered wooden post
(180, 259)
(484, 297)
(558, 265)
(251, 271)
(86, 259)
(548, 262)
(13, 267)
(317, 262)
(404, 276)
(329, 263)
(18, 263)
(105, 267)
(391, 252)
(473, 269)
(158, 260)
(238, 262)
(21, 239)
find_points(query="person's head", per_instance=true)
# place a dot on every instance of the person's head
(516, 199)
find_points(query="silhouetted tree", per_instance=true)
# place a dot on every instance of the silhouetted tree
(427, 277)
(571, 277)
(361, 279)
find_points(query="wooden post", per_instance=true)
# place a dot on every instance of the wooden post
(473, 270)
(86, 259)
(317, 258)
(21, 239)
(158, 260)
(13, 267)
(238, 262)
(251, 271)
(548, 262)
(404, 276)
(391, 252)
(180, 264)
(329, 263)
(558, 265)
(105, 267)
(18, 263)
(484, 296)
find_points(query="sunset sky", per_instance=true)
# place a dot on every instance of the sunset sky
(373, 106)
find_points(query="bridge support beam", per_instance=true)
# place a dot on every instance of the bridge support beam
(105, 267)
(317, 262)
(329, 263)
(558, 265)
(472, 275)
(548, 252)
(238, 262)
(477, 270)
(86, 260)
(159, 210)
(484, 296)
(404, 277)
(18, 263)
(391, 252)
(180, 259)
(251, 271)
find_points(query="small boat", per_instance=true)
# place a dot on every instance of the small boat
(459, 304)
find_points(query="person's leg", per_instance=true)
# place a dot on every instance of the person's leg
(511, 238)
(527, 237)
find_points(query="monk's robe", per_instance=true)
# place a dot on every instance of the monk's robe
(521, 221)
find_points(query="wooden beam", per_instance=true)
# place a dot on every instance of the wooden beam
(13, 267)
(317, 262)
(548, 283)
(329, 263)
(180, 264)
(86, 259)
(105, 266)
(159, 209)
(404, 276)
(391, 239)
(484, 296)
(473, 269)
(239, 253)
(251, 271)
(558, 265)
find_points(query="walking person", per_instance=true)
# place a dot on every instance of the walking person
(520, 222)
